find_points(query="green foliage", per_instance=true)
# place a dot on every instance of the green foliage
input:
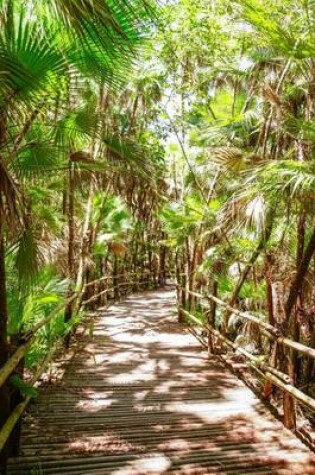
(111, 217)
(36, 157)
(25, 389)
(27, 256)
(29, 305)
(30, 60)
(283, 36)
(253, 292)
(179, 221)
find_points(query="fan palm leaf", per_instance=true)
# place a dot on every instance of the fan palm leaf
(30, 61)
(119, 19)
(284, 37)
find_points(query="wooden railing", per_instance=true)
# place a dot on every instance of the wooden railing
(268, 370)
(127, 284)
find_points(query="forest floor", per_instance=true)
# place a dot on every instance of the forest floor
(139, 396)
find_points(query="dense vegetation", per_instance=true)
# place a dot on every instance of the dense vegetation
(143, 138)
(240, 109)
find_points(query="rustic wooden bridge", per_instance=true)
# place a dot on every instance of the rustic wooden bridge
(138, 396)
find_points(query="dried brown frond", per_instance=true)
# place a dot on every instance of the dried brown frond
(10, 200)
(81, 156)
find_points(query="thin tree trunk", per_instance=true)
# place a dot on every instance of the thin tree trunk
(261, 246)
(84, 251)
(162, 264)
(179, 286)
(267, 273)
(211, 317)
(71, 240)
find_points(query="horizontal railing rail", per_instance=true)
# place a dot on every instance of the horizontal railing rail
(267, 371)
(269, 331)
(30, 337)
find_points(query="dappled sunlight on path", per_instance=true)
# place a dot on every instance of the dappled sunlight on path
(141, 397)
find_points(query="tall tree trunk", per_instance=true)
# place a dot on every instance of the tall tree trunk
(310, 362)
(71, 241)
(4, 350)
(291, 325)
(267, 272)
(179, 285)
(298, 282)
(162, 263)
(85, 238)
(211, 316)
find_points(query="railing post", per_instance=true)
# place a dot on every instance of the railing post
(289, 406)
(273, 363)
(67, 317)
(211, 316)
(104, 287)
(289, 411)
(115, 279)
(181, 317)
(4, 349)
(15, 398)
(4, 414)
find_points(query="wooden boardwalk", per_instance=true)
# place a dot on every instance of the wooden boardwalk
(140, 397)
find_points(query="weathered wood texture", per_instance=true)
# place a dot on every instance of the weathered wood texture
(140, 397)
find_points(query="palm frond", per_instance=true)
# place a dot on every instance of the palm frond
(129, 152)
(76, 128)
(118, 19)
(36, 157)
(30, 61)
(282, 36)
(300, 129)
(234, 160)
(292, 177)
(28, 256)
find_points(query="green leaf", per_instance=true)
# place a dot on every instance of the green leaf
(25, 388)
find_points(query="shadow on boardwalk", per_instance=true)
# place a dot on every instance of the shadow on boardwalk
(140, 397)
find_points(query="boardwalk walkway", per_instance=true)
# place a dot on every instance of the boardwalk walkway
(140, 397)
